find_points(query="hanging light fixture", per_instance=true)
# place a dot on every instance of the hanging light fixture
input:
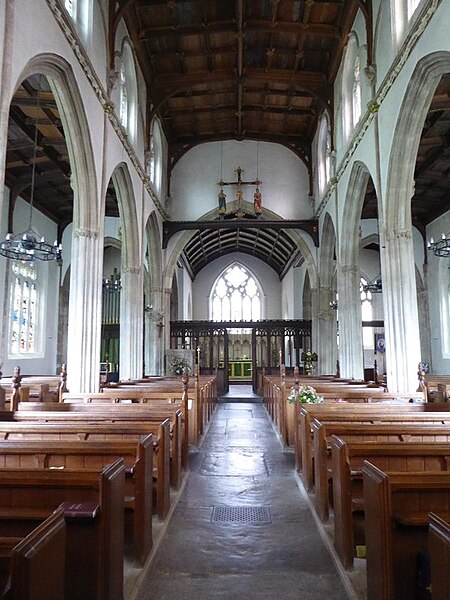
(113, 284)
(374, 286)
(25, 246)
(441, 247)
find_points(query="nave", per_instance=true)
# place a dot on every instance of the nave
(241, 528)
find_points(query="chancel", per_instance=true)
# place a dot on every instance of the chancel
(229, 377)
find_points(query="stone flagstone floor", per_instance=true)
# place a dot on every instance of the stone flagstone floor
(241, 528)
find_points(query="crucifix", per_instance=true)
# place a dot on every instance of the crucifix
(239, 195)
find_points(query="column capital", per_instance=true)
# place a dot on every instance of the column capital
(400, 233)
(132, 270)
(85, 233)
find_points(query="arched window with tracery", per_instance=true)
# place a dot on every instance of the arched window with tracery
(81, 13)
(156, 157)
(402, 13)
(128, 91)
(235, 296)
(24, 320)
(351, 87)
(356, 95)
(324, 153)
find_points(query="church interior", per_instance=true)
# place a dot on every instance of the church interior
(225, 299)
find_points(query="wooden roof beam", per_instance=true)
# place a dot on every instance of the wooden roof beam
(148, 33)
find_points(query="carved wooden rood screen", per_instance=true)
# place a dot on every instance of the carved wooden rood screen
(240, 349)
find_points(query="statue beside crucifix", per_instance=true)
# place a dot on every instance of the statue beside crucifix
(257, 198)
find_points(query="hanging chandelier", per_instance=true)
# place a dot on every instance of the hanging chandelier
(441, 247)
(26, 246)
(374, 286)
(113, 284)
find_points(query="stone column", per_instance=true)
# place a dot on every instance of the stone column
(85, 311)
(401, 321)
(154, 337)
(326, 328)
(350, 323)
(167, 294)
(131, 323)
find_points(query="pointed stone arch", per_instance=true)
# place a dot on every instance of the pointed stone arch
(131, 247)
(325, 324)
(403, 345)
(86, 255)
(182, 239)
(154, 293)
(131, 305)
(77, 133)
(350, 330)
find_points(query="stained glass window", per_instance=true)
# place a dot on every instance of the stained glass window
(24, 310)
(236, 296)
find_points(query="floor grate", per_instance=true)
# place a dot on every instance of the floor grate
(241, 514)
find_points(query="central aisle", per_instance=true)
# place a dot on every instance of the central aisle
(241, 528)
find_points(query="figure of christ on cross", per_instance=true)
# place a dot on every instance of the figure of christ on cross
(239, 193)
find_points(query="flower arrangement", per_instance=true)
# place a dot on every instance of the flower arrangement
(177, 365)
(304, 394)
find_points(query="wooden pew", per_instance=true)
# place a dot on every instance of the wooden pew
(158, 401)
(348, 499)
(439, 541)
(23, 562)
(137, 456)
(94, 537)
(199, 392)
(97, 429)
(397, 507)
(352, 413)
(166, 418)
(387, 432)
(161, 461)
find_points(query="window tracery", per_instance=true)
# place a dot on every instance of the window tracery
(24, 313)
(324, 153)
(235, 296)
(351, 88)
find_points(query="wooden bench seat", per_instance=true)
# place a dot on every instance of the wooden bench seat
(348, 498)
(352, 413)
(155, 402)
(167, 420)
(24, 559)
(439, 542)
(94, 547)
(137, 457)
(388, 432)
(392, 545)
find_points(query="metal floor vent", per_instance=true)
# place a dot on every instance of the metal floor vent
(241, 514)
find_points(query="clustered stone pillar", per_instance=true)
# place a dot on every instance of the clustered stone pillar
(131, 323)
(325, 328)
(85, 311)
(350, 330)
(401, 322)
(154, 336)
